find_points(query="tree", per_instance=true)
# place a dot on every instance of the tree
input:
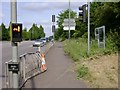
(35, 32)
(59, 33)
(107, 14)
(25, 34)
(41, 32)
(5, 33)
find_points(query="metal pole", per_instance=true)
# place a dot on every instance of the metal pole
(69, 20)
(104, 35)
(53, 32)
(14, 45)
(31, 34)
(88, 27)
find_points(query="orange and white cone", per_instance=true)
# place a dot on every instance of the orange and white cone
(43, 66)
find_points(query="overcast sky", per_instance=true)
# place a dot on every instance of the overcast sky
(37, 12)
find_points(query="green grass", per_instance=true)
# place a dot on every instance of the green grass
(77, 49)
(82, 71)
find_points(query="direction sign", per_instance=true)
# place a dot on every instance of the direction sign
(69, 23)
(67, 20)
(67, 28)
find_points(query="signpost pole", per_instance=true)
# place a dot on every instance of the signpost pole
(53, 33)
(14, 45)
(69, 20)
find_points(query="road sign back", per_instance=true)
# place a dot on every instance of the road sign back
(69, 23)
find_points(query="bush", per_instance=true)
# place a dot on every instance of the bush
(77, 48)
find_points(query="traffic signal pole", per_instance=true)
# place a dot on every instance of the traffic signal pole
(14, 44)
(88, 49)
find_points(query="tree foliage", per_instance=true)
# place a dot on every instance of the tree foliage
(33, 33)
(107, 14)
(60, 33)
(25, 34)
(101, 13)
(5, 32)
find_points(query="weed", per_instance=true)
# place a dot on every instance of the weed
(82, 71)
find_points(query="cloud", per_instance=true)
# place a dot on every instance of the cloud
(51, 0)
(62, 0)
(44, 22)
(1, 15)
(34, 6)
(46, 25)
(47, 6)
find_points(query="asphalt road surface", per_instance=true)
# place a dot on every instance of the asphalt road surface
(6, 55)
(60, 73)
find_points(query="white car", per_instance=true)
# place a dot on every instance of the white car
(38, 42)
(44, 40)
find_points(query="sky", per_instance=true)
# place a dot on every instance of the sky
(37, 11)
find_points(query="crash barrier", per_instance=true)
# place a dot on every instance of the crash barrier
(30, 64)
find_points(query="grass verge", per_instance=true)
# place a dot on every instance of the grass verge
(92, 67)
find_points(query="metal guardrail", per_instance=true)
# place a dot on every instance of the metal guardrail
(29, 64)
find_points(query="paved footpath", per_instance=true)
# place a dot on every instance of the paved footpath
(60, 73)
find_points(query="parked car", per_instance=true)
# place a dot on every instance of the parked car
(44, 40)
(47, 39)
(38, 42)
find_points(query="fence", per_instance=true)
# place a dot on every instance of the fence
(29, 66)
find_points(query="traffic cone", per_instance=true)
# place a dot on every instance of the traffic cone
(43, 66)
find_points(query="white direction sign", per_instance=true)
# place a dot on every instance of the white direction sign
(67, 28)
(68, 22)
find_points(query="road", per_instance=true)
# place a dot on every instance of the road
(60, 73)
(6, 55)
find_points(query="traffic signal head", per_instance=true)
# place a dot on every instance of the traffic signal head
(83, 12)
(16, 32)
(53, 28)
(80, 13)
(53, 18)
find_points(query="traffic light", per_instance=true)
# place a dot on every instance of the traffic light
(83, 12)
(16, 32)
(53, 28)
(53, 18)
